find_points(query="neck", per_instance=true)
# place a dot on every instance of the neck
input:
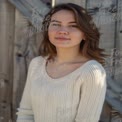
(67, 55)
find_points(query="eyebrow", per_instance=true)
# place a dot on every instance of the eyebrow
(60, 21)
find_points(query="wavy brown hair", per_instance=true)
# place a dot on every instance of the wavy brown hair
(88, 47)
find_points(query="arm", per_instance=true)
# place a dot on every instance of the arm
(92, 96)
(25, 113)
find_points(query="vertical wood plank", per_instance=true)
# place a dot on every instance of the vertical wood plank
(103, 16)
(25, 49)
(6, 59)
(119, 26)
(118, 43)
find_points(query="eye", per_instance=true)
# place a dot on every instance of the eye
(55, 24)
(73, 26)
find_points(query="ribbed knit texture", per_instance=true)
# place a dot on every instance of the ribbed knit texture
(76, 97)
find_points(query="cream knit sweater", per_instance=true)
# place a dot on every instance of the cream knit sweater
(76, 97)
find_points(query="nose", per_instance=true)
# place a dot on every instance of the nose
(63, 30)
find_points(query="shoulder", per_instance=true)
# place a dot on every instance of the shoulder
(94, 66)
(35, 65)
(36, 62)
(93, 70)
(93, 74)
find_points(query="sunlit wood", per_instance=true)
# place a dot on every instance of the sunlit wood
(53, 3)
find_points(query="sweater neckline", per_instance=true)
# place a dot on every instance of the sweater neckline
(69, 75)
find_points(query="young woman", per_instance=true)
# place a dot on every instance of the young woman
(67, 82)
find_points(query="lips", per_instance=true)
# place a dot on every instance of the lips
(62, 38)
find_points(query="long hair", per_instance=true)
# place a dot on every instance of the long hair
(88, 47)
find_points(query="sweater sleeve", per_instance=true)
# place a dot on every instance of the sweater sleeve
(25, 112)
(92, 96)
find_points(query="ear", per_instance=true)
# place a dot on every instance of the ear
(83, 37)
(83, 40)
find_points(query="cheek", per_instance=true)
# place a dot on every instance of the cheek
(51, 35)
(51, 31)
(78, 36)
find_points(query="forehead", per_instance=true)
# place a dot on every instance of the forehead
(63, 15)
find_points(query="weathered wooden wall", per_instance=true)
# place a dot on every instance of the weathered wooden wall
(7, 13)
(21, 55)
(19, 44)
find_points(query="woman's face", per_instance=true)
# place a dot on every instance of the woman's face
(63, 30)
